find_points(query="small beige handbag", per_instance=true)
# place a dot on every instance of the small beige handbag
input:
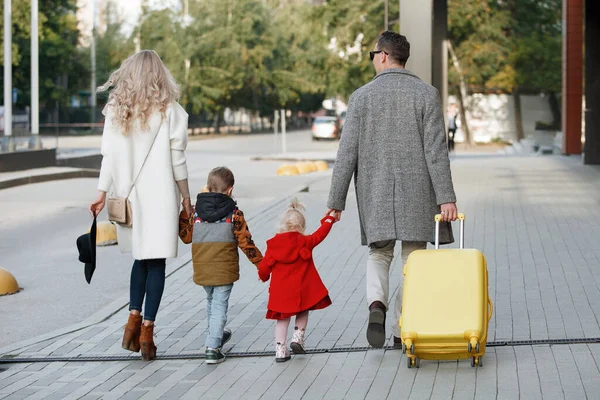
(119, 208)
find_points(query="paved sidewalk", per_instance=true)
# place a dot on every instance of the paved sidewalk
(537, 221)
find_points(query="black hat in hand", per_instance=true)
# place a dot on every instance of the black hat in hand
(86, 245)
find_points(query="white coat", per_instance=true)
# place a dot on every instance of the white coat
(155, 197)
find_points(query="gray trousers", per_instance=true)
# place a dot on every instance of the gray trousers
(380, 258)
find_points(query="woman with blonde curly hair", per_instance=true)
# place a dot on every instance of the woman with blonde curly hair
(143, 160)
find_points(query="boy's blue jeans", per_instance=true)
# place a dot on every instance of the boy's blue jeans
(217, 302)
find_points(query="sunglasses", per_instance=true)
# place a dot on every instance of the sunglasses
(372, 53)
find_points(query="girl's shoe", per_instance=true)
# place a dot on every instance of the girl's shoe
(281, 352)
(297, 343)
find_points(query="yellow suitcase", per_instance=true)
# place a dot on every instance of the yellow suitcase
(445, 304)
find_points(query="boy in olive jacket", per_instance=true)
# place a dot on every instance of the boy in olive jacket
(219, 229)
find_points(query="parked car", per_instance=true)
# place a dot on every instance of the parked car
(326, 128)
(342, 119)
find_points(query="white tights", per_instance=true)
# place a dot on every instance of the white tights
(281, 328)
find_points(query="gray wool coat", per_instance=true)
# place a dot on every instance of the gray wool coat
(394, 144)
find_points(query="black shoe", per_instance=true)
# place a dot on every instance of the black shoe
(397, 343)
(226, 336)
(214, 356)
(376, 327)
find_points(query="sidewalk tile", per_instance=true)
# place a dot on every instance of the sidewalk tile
(535, 219)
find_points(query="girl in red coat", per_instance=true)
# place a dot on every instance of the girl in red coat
(295, 286)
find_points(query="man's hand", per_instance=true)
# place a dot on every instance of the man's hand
(337, 214)
(449, 212)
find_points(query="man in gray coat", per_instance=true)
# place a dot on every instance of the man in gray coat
(394, 143)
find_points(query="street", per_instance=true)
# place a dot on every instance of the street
(40, 223)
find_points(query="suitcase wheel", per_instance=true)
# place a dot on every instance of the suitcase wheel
(477, 361)
(413, 362)
(403, 348)
(470, 348)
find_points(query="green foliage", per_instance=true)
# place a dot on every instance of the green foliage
(538, 40)
(502, 45)
(478, 31)
(268, 54)
(244, 53)
(346, 21)
(62, 64)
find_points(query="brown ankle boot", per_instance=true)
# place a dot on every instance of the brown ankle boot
(131, 337)
(147, 343)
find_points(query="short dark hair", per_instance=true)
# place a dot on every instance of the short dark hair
(220, 179)
(395, 45)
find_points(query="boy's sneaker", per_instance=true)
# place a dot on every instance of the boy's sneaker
(297, 343)
(226, 336)
(281, 352)
(214, 356)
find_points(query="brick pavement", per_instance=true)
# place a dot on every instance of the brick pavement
(535, 218)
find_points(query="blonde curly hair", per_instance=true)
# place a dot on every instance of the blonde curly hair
(293, 220)
(140, 86)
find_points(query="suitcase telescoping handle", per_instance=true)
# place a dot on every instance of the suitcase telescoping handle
(461, 218)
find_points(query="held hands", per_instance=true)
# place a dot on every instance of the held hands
(98, 204)
(187, 206)
(449, 212)
(337, 214)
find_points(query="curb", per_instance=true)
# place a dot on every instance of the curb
(82, 173)
(293, 159)
(117, 305)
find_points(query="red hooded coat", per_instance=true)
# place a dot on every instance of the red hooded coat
(295, 283)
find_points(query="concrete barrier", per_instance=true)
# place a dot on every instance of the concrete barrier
(303, 167)
(106, 233)
(288, 170)
(8, 283)
(321, 166)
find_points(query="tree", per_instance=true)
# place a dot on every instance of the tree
(353, 27)
(297, 60)
(112, 46)
(63, 69)
(509, 46)
(537, 33)
(478, 33)
(240, 54)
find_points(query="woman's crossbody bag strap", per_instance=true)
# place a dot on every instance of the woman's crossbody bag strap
(119, 208)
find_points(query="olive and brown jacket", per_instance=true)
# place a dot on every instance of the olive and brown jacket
(219, 229)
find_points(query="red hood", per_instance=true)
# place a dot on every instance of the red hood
(286, 247)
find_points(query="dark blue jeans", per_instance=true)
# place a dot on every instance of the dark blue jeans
(147, 280)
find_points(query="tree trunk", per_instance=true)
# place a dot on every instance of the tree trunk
(462, 97)
(216, 124)
(518, 115)
(556, 110)
(463, 119)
